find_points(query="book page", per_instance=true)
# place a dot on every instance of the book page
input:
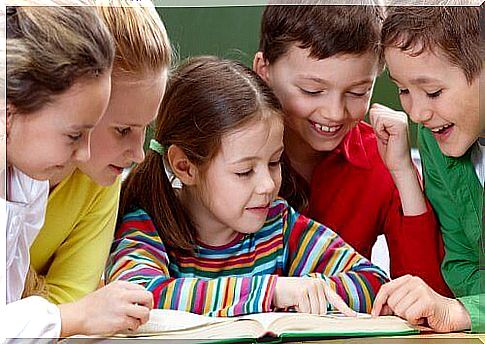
(167, 320)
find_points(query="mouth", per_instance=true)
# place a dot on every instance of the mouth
(260, 208)
(117, 169)
(327, 130)
(442, 130)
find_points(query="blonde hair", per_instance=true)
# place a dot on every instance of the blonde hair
(49, 48)
(141, 41)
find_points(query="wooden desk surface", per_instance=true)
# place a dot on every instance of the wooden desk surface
(447, 338)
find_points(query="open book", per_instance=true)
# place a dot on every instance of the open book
(171, 324)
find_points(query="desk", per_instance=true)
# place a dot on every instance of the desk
(445, 338)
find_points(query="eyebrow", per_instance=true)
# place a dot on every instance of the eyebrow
(249, 158)
(422, 80)
(81, 127)
(326, 82)
(132, 124)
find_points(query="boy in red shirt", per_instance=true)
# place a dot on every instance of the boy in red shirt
(322, 62)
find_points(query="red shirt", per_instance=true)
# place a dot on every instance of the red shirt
(353, 193)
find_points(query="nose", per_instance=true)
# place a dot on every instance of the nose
(83, 152)
(334, 108)
(266, 183)
(419, 111)
(136, 149)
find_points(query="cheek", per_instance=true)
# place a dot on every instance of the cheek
(358, 108)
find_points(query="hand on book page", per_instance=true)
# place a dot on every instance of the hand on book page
(183, 325)
(307, 295)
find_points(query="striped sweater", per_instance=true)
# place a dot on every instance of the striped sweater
(239, 277)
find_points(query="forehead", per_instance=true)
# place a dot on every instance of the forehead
(257, 138)
(338, 67)
(135, 100)
(422, 68)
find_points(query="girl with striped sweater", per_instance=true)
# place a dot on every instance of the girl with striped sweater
(223, 244)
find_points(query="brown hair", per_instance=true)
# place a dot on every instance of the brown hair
(206, 98)
(141, 41)
(49, 48)
(452, 31)
(325, 30)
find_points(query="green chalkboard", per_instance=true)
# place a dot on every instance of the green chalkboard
(233, 32)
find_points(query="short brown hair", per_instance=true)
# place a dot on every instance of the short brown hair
(325, 30)
(49, 48)
(141, 41)
(452, 31)
(206, 98)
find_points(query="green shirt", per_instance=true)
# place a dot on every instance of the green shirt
(454, 190)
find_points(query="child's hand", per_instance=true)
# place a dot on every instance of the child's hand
(391, 128)
(307, 295)
(116, 307)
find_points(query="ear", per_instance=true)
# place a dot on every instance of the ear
(8, 118)
(261, 66)
(181, 166)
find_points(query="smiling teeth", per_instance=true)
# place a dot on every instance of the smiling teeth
(326, 129)
(437, 130)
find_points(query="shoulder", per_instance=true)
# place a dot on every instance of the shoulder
(137, 220)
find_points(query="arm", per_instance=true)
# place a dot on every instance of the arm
(316, 251)
(138, 255)
(460, 266)
(412, 233)
(32, 317)
(79, 262)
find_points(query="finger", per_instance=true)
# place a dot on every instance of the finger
(403, 304)
(386, 310)
(141, 297)
(416, 314)
(322, 298)
(141, 313)
(304, 303)
(336, 301)
(132, 323)
(313, 298)
(129, 285)
(385, 291)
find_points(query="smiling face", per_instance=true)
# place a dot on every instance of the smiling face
(322, 99)
(235, 192)
(44, 142)
(436, 93)
(117, 141)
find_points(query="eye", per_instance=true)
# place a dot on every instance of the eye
(434, 94)
(358, 94)
(275, 163)
(123, 131)
(403, 91)
(244, 174)
(75, 137)
(312, 93)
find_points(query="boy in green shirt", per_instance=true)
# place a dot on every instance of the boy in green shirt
(433, 55)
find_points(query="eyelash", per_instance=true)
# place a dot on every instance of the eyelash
(435, 94)
(75, 138)
(311, 93)
(123, 131)
(273, 164)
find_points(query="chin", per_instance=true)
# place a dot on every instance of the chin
(454, 151)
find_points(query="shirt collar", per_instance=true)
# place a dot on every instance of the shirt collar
(353, 147)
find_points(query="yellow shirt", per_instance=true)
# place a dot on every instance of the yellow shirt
(72, 247)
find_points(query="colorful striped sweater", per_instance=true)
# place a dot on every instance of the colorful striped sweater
(239, 277)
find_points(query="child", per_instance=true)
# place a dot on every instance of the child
(321, 62)
(72, 248)
(223, 244)
(59, 62)
(437, 69)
